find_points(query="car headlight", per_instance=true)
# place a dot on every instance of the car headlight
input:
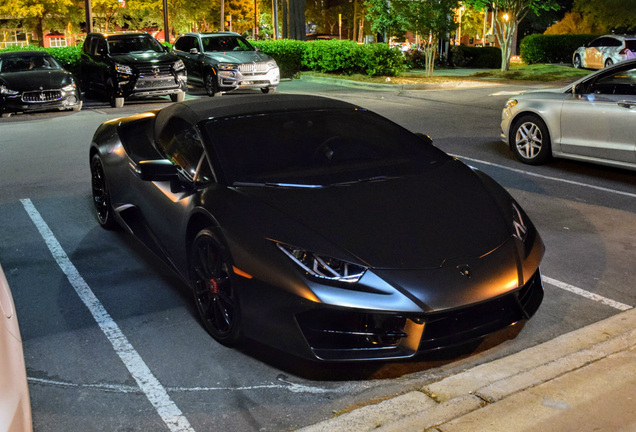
(227, 66)
(518, 224)
(511, 103)
(123, 69)
(5, 91)
(69, 87)
(323, 267)
(272, 64)
(178, 65)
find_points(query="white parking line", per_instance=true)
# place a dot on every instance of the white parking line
(152, 388)
(589, 295)
(528, 173)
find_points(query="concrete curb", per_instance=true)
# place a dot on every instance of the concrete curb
(486, 385)
(464, 83)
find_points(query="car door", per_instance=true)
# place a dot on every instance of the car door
(166, 205)
(601, 122)
(593, 53)
(188, 49)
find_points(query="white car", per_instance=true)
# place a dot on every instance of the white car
(604, 51)
(15, 407)
(592, 120)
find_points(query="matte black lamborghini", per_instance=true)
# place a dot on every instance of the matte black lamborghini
(318, 227)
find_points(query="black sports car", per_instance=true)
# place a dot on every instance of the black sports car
(35, 81)
(318, 227)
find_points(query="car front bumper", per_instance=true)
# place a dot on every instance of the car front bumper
(233, 79)
(50, 100)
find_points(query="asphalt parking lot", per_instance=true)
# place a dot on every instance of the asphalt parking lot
(111, 337)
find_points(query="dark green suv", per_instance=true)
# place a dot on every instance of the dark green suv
(120, 66)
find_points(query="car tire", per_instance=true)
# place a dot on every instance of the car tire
(215, 294)
(609, 62)
(530, 140)
(577, 62)
(78, 107)
(5, 114)
(210, 84)
(177, 97)
(101, 195)
(266, 90)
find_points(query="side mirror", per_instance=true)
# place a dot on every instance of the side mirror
(427, 139)
(156, 170)
(194, 51)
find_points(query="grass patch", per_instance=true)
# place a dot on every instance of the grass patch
(535, 72)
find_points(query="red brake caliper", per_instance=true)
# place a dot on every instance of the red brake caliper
(214, 286)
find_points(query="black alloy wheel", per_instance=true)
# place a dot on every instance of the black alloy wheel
(101, 196)
(214, 291)
(210, 83)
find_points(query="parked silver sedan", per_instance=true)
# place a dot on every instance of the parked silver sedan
(591, 120)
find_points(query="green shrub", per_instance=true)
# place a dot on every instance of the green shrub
(288, 54)
(475, 57)
(540, 48)
(334, 56)
(348, 57)
(380, 59)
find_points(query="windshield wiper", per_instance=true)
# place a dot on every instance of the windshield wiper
(366, 180)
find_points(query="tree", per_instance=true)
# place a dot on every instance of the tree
(511, 13)
(385, 19)
(610, 15)
(294, 19)
(575, 23)
(431, 20)
(39, 14)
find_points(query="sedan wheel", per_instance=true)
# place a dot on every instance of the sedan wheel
(577, 61)
(210, 84)
(101, 196)
(609, 62)
(214, 291)
(531, 140)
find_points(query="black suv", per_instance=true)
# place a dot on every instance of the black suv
(124, 65)
(225, 61)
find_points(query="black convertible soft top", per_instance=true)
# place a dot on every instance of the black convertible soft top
(193, 111)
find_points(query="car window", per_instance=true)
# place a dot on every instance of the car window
(618, 83)
(226, 43)
(316, 147)
(186, 43)
(28, 63)
(125, 45)
(181, 144)
(99, 46)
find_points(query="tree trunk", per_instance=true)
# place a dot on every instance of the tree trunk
(297, 20)
(39, 30)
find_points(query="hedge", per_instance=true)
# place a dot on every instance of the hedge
(475, 57)
(346, 57)
(540, 48)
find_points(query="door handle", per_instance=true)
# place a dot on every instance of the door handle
(626, 104)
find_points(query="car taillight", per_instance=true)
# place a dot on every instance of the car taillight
(623, 51)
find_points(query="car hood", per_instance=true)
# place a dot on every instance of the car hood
(238, 56)
(144, 57)
(37, 79)
(406, 223)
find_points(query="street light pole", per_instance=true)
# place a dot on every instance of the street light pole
(166, 30)
(89, 16)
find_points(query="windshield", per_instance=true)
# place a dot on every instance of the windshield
(128, 44)
(28, 63)
(226, 43)
(317, 148)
